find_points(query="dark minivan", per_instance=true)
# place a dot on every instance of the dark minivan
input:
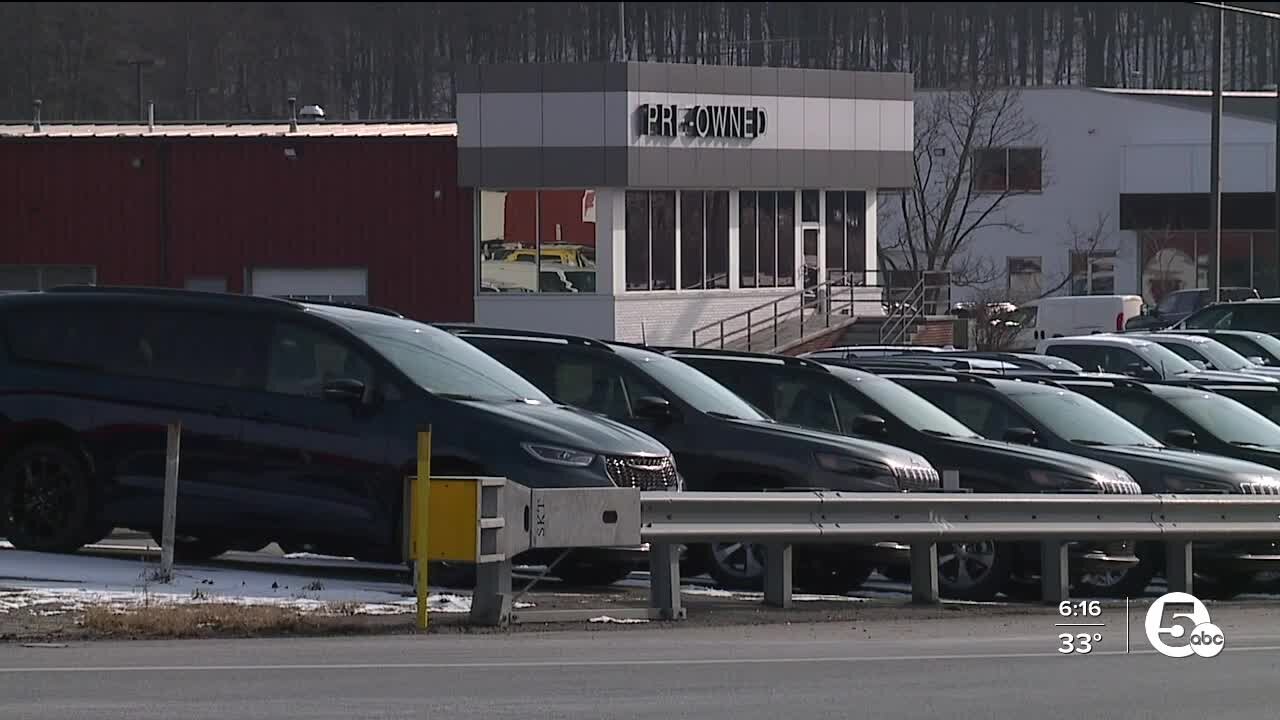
(845, 400)
(721, 442)
(299, 423)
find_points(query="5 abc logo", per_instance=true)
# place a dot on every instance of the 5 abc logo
(1178, 626)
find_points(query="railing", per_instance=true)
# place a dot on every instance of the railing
(922, 520)
(760, 325)
(903, 314)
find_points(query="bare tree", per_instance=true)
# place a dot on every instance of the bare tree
(969, 147)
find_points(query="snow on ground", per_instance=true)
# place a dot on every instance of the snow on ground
(53, 584)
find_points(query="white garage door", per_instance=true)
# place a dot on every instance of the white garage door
(337, 284)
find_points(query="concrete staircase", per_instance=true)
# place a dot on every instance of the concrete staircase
(795, 320)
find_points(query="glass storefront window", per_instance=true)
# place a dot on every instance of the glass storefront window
(846, 236)
(704, 239)
(651, 240)
(767, 238)
(537, 241)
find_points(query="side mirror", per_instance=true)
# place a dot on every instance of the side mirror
(1184, 439)
(1199, 364)
(1257, 360)
(1021, 436)
(344, 390)
(869, 425)
(653, 408)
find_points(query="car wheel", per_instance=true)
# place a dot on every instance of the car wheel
(829, 577)
(591, 574)
(736, 565)
(975, 571)
(1130, 582)
(1223, 586)
(47, 500)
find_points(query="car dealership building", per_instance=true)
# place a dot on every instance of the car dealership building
(618, 200)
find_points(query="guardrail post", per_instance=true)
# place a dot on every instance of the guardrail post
(664, 581)
(169, 519)
(777, 575)
(924, 573)
(491, 601)
(1055, 581)
(1178, 568)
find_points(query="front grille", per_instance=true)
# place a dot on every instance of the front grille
(1119, 487)
(917, 478)
(646, 473)
(1252, 488)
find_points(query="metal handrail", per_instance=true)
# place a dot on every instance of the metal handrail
(902, 317)
(771, 313)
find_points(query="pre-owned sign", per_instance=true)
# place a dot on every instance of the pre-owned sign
(704, 121)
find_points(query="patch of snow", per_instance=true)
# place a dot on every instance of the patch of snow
(314, 556)
(619, 621)
(50, 584)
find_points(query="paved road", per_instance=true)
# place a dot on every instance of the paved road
(957, 667)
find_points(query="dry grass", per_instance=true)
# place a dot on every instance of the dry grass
(201, 620)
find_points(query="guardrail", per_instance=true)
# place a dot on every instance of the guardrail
(782, 519)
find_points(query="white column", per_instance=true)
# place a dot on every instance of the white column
(611, 233)
(734, 267)
(872, 238)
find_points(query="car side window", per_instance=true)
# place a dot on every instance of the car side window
(1118, 360)
(1144, 412)
(849, 405)
(302, 359)
(586, 382)
(982, 414)
(1086, 357)
(1187, 353)
(806, 404)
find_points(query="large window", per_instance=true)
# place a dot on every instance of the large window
(43, 277)
(1093, 273)
(651, 240)
(537, 241)
(704, 240)
(1008, 170)
(1024, 276)
(846, 236)
(766, 239)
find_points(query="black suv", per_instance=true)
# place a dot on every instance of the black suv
(1177, 305)
(1256, 315)
(299, 423)
(1046, 414)
(844, 400)
(721, 442)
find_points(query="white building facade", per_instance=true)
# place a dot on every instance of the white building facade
(1133, 165)
(640, 201)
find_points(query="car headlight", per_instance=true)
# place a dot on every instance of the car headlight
(559, 455)
(1055, 480)
(1178, 483)
(847, 465)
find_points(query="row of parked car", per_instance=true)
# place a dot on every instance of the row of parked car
(299, 423)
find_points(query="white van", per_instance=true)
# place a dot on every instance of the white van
(1053, 317)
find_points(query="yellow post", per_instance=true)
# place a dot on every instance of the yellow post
(421, 512)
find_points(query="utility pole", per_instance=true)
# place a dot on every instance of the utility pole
(138, 64)
(1215, 165)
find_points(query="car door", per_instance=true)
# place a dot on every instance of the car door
(134, 369)
(322, 464)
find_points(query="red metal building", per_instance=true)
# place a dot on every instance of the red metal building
(364, 211)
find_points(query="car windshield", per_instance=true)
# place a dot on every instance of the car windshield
(905, 405)
(442, 363)
(1261, 345)
(692, 385)
(1080, 419)
(1230, 421)
(1163, 359)
(1219, 356)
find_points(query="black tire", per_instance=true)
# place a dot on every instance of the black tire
(591, 574)
(735, 565)
(1129, 583)
(48, 501)
(827, 576)
(975, 571)
(1223, 586)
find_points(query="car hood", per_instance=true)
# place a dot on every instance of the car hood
(1194, 464)
(569, 426)
(831, 442)
(1063, 462)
